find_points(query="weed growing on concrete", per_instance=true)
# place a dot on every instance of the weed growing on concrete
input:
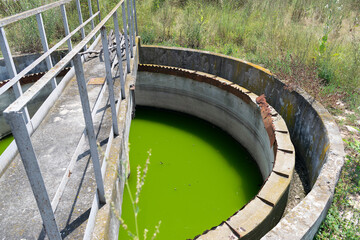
(123, 173)
(140, 181)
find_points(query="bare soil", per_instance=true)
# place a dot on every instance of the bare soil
(347, 121)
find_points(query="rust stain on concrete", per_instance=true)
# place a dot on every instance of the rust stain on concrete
(266, 115)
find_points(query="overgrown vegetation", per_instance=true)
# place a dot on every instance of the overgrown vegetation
(321, 35)
(23, 36)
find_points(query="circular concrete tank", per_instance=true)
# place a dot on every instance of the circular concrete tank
(313, 131)
(246, 117)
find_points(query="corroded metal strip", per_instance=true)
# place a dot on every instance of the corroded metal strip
(266, 115)
(222, 84)
(199, 77)
(31, 78)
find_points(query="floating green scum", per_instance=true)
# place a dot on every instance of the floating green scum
(198, 175)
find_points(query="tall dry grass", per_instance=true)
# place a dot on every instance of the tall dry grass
(23, 36)
(266, 32)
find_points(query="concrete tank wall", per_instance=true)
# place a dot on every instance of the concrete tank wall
(245, 116)
(313, 131)
(240, 118)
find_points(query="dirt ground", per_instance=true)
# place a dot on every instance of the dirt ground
(349, 125)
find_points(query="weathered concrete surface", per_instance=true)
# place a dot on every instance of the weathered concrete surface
(107, 222)
(233, 109)
(313, 131)
(240, 118)
(54, 142)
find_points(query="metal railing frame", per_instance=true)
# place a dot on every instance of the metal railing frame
(10, 152)
(19, 122)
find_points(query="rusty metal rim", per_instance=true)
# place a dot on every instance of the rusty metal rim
(31, 78)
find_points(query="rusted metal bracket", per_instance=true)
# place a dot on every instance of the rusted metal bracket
(91, 54)
(132, 95)
(266, 115)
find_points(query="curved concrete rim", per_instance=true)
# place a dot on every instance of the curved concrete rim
(259, 215)
(327, 158)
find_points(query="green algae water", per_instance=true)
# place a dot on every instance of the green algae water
(198, 175)
(5, 142)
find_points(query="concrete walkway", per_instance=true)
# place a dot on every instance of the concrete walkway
(55, 142)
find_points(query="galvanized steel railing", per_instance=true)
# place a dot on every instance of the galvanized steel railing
(14, 83)
(22, 126)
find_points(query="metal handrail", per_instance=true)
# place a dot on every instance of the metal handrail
(19, 103)
(14, 116)
(26, 70)
(14, 18)
(14, 82)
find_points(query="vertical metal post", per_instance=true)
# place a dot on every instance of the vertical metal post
(92, 20)
(109, 79)
(66, 25)
(31, 165)
(118, 51)
(130, 33)
(66, 28)
(136, 27)
(10, 66)
(98, 7)
(126, 38)
(80, 78)
(45, 45)
(132, 21)
(78, 6)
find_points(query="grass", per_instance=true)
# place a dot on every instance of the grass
(321, 34)
(23, 36)
(342, 221)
